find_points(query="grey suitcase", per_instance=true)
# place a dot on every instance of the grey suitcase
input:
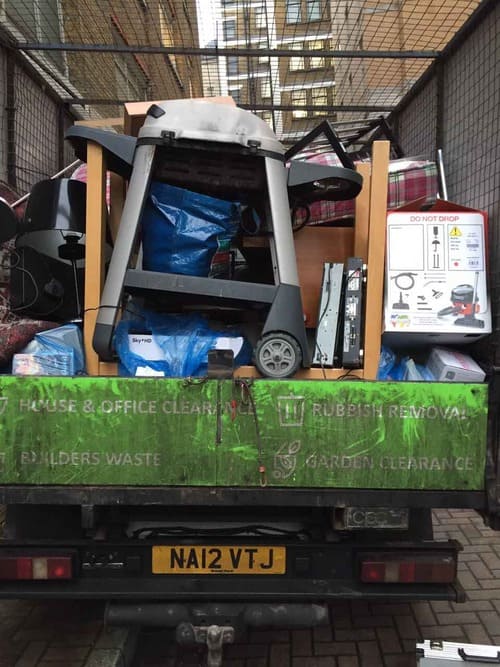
(443, 654)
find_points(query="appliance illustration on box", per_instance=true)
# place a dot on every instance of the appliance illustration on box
(436, 275)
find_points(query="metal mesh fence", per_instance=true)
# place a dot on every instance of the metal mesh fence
(417, 123)
(292, 61)
(31, 126)
(457, 111)
(36, 140)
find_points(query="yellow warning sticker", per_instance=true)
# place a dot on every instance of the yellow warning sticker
(455, 231)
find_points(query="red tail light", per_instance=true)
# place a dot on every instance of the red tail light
(35, 567)
(397, 568)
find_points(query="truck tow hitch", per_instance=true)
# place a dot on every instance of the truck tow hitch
(214, 636)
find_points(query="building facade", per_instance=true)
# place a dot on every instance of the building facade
(305, 88)
(301, 87)
(118, 76)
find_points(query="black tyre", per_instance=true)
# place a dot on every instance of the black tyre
(277, 355)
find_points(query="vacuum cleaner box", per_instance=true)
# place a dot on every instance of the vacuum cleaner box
(436, 275)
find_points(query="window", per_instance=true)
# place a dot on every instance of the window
(263, 59)
(267, 116)
(167, 7)
(299, 98)
(232, 65)
(127, 85)
(293, 11)
(39, 22)
(260, 17)
(316, 62)
(167, 39)
(313, 10)
(319, 98)
(235, 93)
(130, 76)
(265, 88)
(296, 62)
(229, 29)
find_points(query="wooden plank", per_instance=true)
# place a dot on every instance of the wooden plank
(108, 368)
(116, 203)
(94, 248)
(304, 373)
(313, 247)
(101, 122)
(376, 257)
(362, 218)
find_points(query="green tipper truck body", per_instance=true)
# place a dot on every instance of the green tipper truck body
(286, 434)
(227, 503)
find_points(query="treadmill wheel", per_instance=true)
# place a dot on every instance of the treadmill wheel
(277, 355)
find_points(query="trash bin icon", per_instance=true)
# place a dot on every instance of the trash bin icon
(291, 410)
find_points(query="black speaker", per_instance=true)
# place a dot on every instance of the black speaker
(47, 265)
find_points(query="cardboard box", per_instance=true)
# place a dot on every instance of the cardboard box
(43, 364)
(436, 275)
(452, 366)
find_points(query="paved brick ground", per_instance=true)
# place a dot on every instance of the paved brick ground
(59, 634)
(364, 634)
(375, 634)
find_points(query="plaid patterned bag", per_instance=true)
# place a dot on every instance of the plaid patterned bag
(408, 180)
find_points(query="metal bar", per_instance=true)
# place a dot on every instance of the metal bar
(59, 173)
(327, 129)
(227, 51)
(440, 102)
(60, 135)
(49, 72)
(82, 101)
(442, 176)
(330, 108)
(10, 109)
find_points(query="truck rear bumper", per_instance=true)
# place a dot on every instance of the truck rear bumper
(309, 572)
(303, 591)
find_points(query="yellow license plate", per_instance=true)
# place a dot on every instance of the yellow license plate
(190, 559)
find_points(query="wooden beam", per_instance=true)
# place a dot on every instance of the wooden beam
(101, 122)
(305, 373)
(116, 203)
(376, 257)
(94, 248)
(362, 215)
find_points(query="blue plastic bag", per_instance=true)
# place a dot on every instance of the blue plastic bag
(187, 232)
(395, 368)
(177, 346)
(57, 351)
(386, 363)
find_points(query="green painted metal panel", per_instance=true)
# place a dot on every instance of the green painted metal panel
(106, 431)
(338, 434)
(365, 435)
